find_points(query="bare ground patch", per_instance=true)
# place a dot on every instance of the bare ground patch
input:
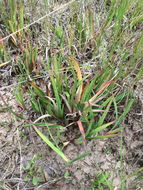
(18, 145)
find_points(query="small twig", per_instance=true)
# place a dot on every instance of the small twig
(50, 183)
(6, 105)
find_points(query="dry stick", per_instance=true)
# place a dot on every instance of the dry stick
(6, 105)
(47, 184)
(36, 21)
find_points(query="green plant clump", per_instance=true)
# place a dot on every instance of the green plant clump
(63, 90)
(74, 100)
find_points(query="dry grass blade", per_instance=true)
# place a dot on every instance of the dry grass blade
(52, 100)
(81, 129)
(97, 110)
(103, 87)
(1, 42)
(3, 64)
(77, 68)
(79, 76)
(67, 104)
(42, 117)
